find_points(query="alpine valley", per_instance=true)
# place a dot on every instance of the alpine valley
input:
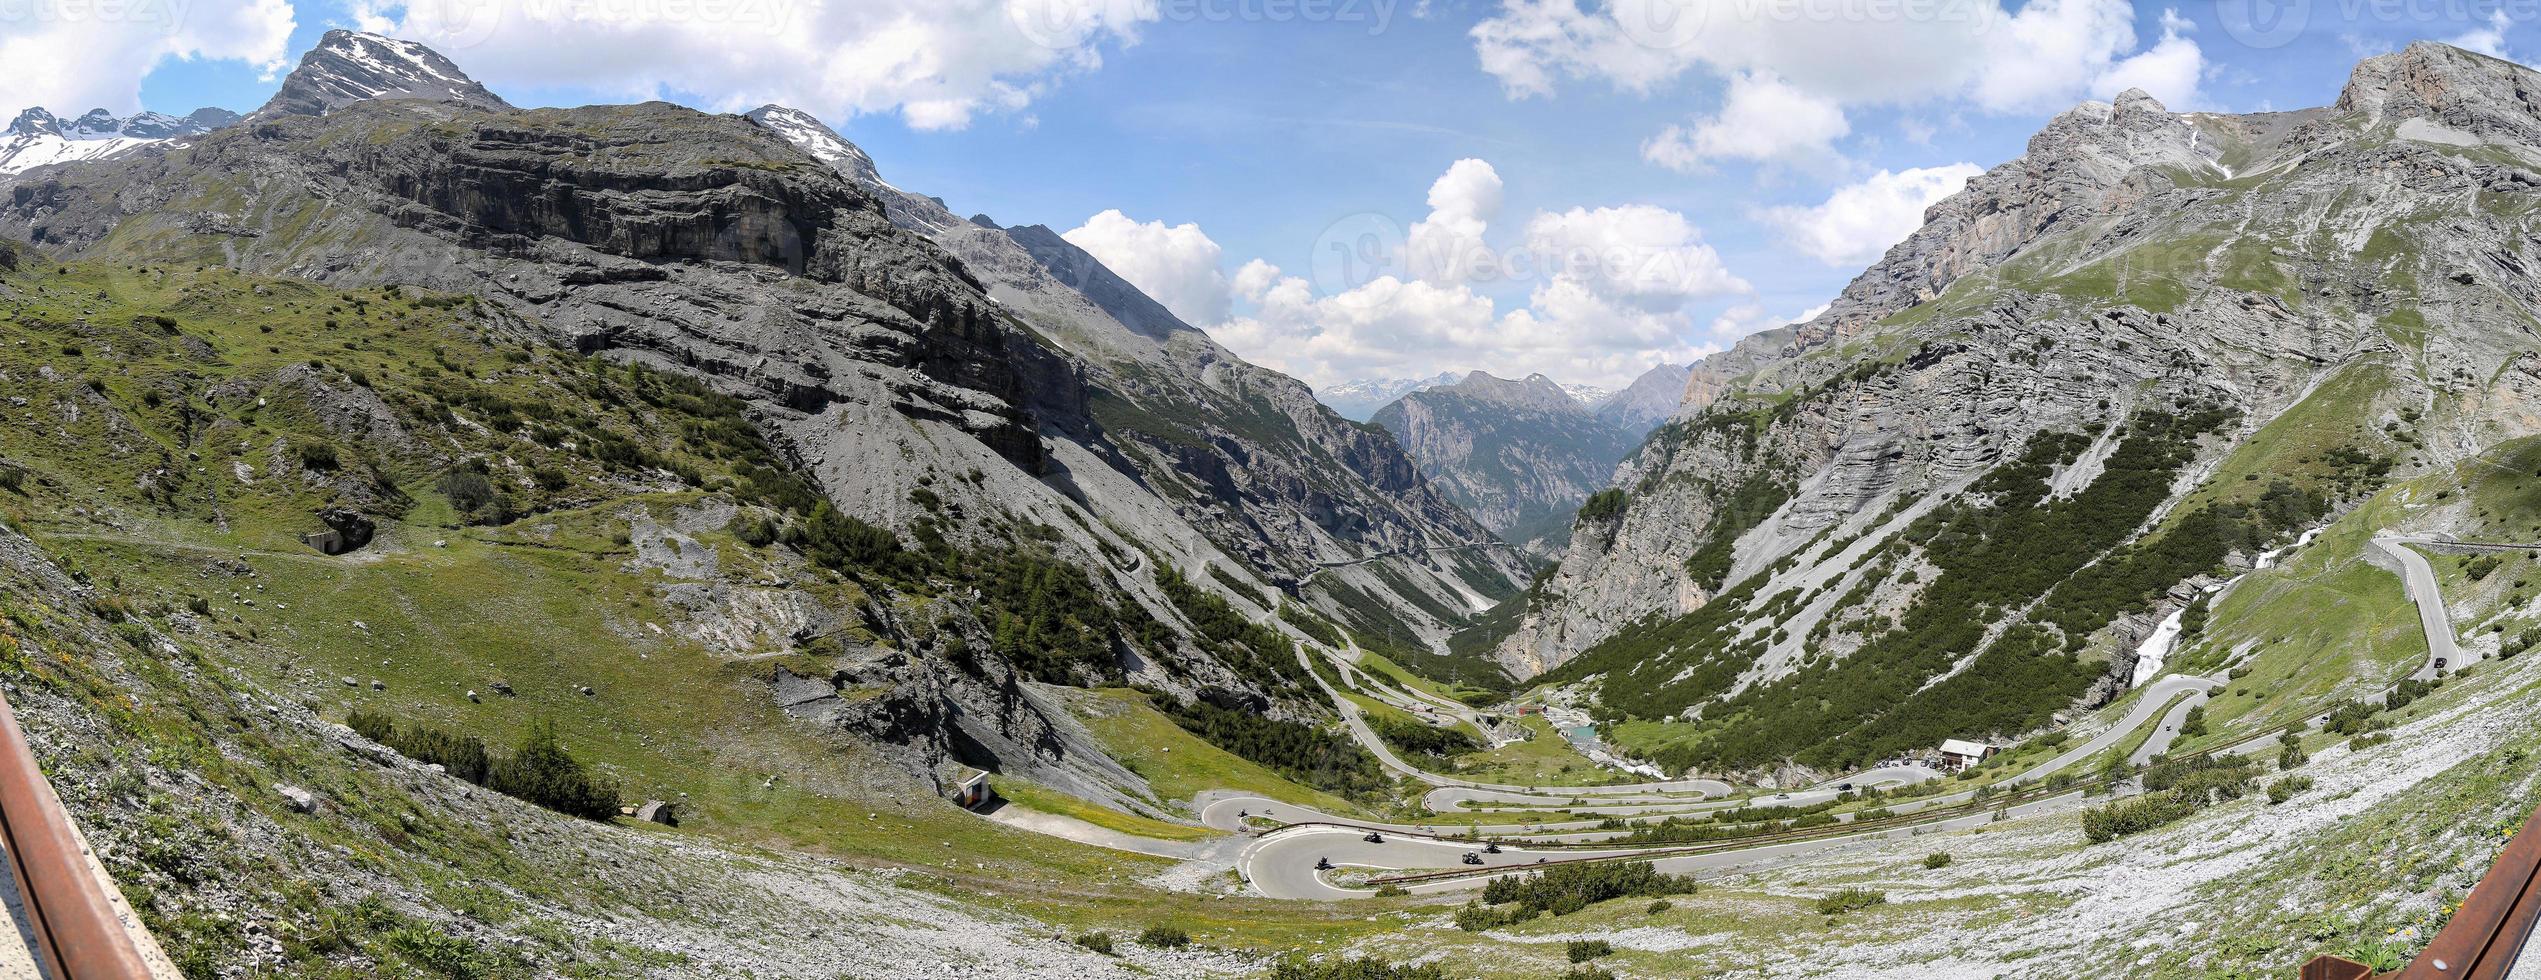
(446, 538)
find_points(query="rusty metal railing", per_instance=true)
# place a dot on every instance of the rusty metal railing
(2484, 937)
(78, 935)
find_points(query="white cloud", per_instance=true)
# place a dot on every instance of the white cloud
(1176, 265)
(1608, 297)
(1858, 222)
(2488, 39)
(1761, 119)
(938, 63)
(1746, 318)
(1447, 246)
(73, 57)
(1255, 279)
(1650, 258)
(2047, 55)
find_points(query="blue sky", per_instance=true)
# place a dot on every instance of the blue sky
(1722, 177)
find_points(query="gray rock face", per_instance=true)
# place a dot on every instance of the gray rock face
(1521, 456)
(349, 66)
(1285, 485)
(2134, 260)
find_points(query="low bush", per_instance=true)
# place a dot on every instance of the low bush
(1301, 968)
(1937, 860)
(2108, 823)
(1565, 889)
(1583, 950)
(1659, 906)
(1161, 936)
(2287, 788)
(1849, 900)
(1100, 942)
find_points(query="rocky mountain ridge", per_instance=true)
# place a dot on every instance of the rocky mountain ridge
(2136, 275)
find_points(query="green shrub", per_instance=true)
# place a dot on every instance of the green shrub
(2194, 724)
(1100, 942)
(1937, 860)
(2107, 823)
(318, 456)
(12, 479)
(757, 532)
(1590, 972)
(1602, 505)
(542, 772)
(1391, 890)
(2287, 788)
(1659, 906)
(1564, 889)
(1161, 936)
(1850, 899)
(1583, 950)
(1297, 967)
(376, 727)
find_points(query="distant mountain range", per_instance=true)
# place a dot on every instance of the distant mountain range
(1521, 456)
(1359, 400)
(39, 138)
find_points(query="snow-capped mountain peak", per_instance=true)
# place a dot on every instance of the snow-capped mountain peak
(1587, 394)
(351, 66)
(812, 136)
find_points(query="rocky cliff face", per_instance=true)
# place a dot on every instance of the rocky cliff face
(1245, 455)
(2361, 269)
(1521, 456)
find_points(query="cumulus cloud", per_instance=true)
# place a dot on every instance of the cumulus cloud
(2047, 55)
(1649, 258)
(1858, 222)
(1176, 265)
(71, 58)
(1607, 295)
(937, 63)
(1762, 119)
(1447, 246)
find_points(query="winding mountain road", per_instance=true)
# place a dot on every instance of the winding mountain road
(2442, 652)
